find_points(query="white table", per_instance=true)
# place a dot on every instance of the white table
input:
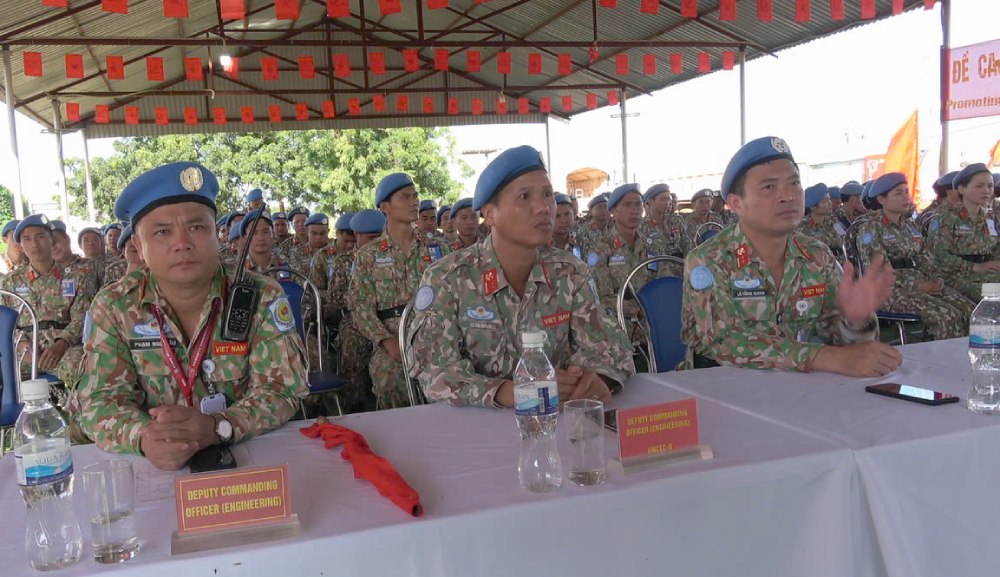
(773, 502)
(931, 475)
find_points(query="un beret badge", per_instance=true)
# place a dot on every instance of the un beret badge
(191, 179)
(779, 145)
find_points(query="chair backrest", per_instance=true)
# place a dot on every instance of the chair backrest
(295, 292)
(404, 350)
(660, 300)
(706, 231)
(9, 407)
(851, 243)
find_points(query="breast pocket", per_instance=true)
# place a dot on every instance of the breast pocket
(231, 376)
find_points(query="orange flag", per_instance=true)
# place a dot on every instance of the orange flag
(995, 154)
(904, 156)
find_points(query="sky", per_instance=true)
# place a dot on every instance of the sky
(833, 100)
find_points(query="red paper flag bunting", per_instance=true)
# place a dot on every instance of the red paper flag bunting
(74, 66)
(269, 67)
(341, 65)
(565, 64)
(376, 62)
(131, 115)
(441, 59)
(301, 112)
(192, 69)
(649, 64)
(389, 7)
(116, 67)
(329, 111)
(56, 3)
(307, 68)
(73, 111)
(32, 63)
(728, 60)
(378, 102)
(836, 9)
(219, 115)
(246, 115)
(115, 6)
(175, 8)
(286, 10)
(593, 53)
(232, 68)
(161, 115)
(154, 69)
(704, 62)
(677, 63)
(503, 62)
(274, 112)
(897, 7)
(338, 8)
(523, 106)
(545, 105)
(473, 61)
(436, 4)
(803, 11)
(591, 101)
(402, 103)
(428, 105)
(190, 115)
(102, 114)
(621, 64)
(232, 10)
(764, 10)
(613, 98)
(501, 106)
(477, 106)
(689, 8)
(867, 9)
(928, 4)
(411, 60)
(727, 10)
(534, 63)
(609, 3)
(648, 7)
(567, 103)
(453, 106)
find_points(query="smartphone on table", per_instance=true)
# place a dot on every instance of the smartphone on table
(913, 394)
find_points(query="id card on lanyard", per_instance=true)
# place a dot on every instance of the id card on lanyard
(185, 378)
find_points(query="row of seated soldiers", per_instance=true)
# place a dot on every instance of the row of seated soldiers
(941, 255)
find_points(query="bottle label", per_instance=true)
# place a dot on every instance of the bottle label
(537, 398)
(45, 467)
(984, 337)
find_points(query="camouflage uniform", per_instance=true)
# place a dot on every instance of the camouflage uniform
(354, 350)
(733, 315)
(297, 254)
(115, 271)
(729, 217)
(829, 231)
(60, 299)
(384, 281)
(571, 245)
(955, 234)
(466, 333)
(589, 235)
(99, 264)
(668, 237)
(610, 263)
(900, 243)
(695, 222)
(125, 376)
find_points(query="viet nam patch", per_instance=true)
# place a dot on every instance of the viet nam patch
(701, 278)
(424, 298)
(281, 313)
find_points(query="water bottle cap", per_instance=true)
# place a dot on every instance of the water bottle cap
(533, 338)
(34, 389)
(991, 289)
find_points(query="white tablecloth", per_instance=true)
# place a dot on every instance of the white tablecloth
(773, 502)
(930, 474)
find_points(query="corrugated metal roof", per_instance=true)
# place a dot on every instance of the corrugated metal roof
(523, 27)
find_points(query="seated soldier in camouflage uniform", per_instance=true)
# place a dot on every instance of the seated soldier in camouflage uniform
(473, 305)
(427, 219)
(965, 241)
(946, 199)
(322, 267)
(598, 224)
(132, 259)
(563, 235)
(296, 250)
(701, 215)
(852, 208)
(155, 345)
(14, 257)
(892, 234)
(112, 232)
(820, 223)
(62, 249)
(664, 226)
(60, 297)
(727, 216)
(91, 241)
(759, 295)
(466, 224)
(279, 221)
(445, 224)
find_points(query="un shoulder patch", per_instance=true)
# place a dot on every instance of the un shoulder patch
(88, 326)
(424, 298)
(593, 259)
(281, 313)
(701, 278)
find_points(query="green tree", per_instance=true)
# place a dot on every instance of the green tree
(6, 212)
(331, 171)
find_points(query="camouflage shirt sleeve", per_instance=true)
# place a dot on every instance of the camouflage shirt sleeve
(86, 289)
(942, 241)
(364, 299)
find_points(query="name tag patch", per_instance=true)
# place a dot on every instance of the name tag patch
(741, 294)
(150, 344)
(68, 288)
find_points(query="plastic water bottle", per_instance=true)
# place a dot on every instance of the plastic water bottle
(984, 352)
(44, 466)
(536, 406)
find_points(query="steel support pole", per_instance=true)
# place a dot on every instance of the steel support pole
(743, 95)
(621, 103)
(91, 213)
(8, 82)
(57, 129)
(548, 145)
(943, 162)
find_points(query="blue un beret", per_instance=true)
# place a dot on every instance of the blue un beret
(815, 194)
(851, 188)
(834, 191)
(600, 198)
(344, 221)
(95, 230)
(57, 225)
(426, 205)
(368, 221)
(463, 203)
(703, 193)
(126, 234)
(390, 185)
(654, 191)
(297, 211)
(885, 183)
(234, 232)
(278, 216)
(34, 220)
(222, 220)
(751, 154)
(255, 194)
(229, 217)
(946, 182)
(245, 223)
(865, 188)
(965, 175)
(620, 193)
(168, 184)
(10, 226)
(441, 211)
(503, 169)
(107, 227)
(563, 199)
(318, 218)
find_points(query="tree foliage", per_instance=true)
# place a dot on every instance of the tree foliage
(329, 171)
(6, 211)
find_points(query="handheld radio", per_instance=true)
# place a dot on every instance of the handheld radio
(243, 294)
